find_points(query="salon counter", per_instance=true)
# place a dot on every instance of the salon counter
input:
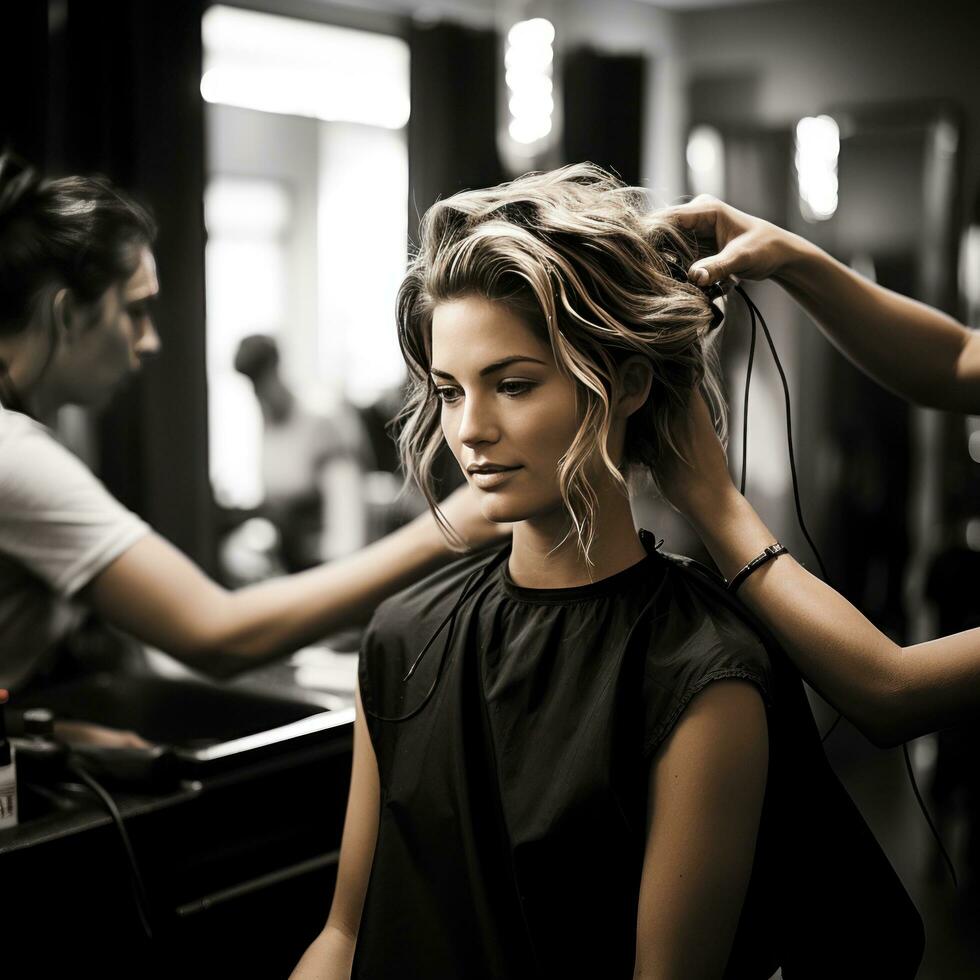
(238, 867)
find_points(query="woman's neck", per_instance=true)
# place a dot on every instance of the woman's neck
(536, 563)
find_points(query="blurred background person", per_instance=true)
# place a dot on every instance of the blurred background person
(312, 464)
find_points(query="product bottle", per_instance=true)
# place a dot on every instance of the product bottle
(8, 772)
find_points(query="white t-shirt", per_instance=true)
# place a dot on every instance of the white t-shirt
(59, 527)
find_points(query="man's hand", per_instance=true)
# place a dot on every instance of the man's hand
(748, 247)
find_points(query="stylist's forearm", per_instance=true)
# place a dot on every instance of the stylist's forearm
(916, 351)
(836, 648)
(891, 693)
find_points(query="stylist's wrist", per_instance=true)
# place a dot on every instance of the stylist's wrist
(798, 260)
(732, 531)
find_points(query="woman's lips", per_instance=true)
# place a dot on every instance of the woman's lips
(492, 480)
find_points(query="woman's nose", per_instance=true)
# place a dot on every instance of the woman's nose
(477, 425)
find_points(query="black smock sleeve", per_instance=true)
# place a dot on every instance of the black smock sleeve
(699, 638)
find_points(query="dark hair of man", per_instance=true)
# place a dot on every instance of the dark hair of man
(82, 233)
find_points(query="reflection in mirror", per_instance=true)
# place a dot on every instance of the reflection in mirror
(307, 224)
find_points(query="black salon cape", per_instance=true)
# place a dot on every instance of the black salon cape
(514, 766)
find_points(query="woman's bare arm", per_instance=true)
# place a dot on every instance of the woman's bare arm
(916, 351)
(891, 693)
(331, 955)
(707, 783)
(158, 595)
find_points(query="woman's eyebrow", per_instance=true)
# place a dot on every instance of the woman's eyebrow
(491, 368)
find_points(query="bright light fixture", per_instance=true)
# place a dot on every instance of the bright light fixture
(528, 60)
(299, 68)
(706, 161)
(817, 150)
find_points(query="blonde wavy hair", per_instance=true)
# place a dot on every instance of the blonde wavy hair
(582, 260)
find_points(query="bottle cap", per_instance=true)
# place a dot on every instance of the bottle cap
(38, 721)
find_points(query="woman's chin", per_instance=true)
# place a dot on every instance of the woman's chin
(502, 509)
(498, 510)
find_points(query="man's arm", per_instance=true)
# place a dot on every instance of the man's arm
(707, 784)
(158, 595)
(916, 351)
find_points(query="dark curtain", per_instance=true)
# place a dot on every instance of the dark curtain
(24, 79)
(452, 141)
(603, 100)
(113, 87)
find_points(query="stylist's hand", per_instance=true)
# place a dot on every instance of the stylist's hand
(748, 247)
(700, 482)
(462, 508)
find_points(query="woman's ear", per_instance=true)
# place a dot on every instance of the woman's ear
(635, 378)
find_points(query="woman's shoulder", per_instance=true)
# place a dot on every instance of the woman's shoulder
(698, 635)
(702, 606)
(432, 597)
(404, 626)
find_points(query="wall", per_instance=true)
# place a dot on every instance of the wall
(628, 27)
(811, 56)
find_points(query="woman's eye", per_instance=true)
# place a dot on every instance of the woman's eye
(514, 388)
(447, 394)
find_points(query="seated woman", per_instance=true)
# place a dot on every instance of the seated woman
(561, 750)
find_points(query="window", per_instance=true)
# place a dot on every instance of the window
(307, 209)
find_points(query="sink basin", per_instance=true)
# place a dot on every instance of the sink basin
(179, 713)
(204, 724)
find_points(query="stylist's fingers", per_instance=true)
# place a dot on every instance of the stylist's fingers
(730, 261)
(699, 215)
(719, 227)
(744, 246)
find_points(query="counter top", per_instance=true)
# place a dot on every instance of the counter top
(315, 677)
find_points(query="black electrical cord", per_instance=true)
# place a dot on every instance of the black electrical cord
(745, 406)
(789, 428)
(925, 813)
(136, 879)
(474, 580)
(754, 312)
(830, 731)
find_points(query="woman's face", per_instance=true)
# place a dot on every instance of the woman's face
(508, 414)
